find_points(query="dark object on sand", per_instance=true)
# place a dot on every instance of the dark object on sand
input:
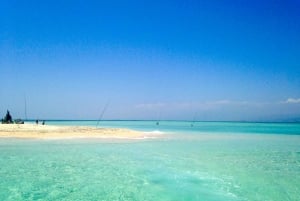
(43, 123)
(19, 121)
(7, 119)
(37, 121)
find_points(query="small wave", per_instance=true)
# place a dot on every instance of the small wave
(157, 132)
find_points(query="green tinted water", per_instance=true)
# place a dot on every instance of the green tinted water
(194, 127)
(177, 167)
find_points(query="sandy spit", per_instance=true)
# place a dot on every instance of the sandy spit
(64, 132)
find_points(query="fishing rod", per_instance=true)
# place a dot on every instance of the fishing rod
(102, 113)
(194, 119)
(158, 119)
(25, 105)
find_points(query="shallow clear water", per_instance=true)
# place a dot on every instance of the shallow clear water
(243, 162)
(193, 127)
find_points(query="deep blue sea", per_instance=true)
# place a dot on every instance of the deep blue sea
(209, 161)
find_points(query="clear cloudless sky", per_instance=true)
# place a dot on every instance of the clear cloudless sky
(203, 59)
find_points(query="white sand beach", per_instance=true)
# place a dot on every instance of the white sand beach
(64, 132)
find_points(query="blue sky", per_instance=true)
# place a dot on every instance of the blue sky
(221, 60)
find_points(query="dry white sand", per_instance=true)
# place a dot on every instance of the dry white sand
(64, 132)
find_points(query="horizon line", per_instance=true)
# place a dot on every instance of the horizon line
(225, 121)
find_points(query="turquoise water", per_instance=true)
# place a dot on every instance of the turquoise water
(209, 161)
(193, 127)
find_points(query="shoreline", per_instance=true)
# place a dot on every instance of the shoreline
(33, 131)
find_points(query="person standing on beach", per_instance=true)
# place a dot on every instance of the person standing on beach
(37, 121)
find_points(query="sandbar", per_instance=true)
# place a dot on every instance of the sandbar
(64, 132)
